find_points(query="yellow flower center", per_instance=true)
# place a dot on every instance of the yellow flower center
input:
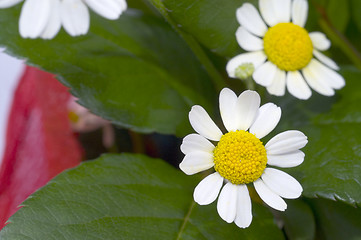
(288, 46)
(74, 118)
(240, 157)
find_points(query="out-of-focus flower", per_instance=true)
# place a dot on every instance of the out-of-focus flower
(82, 120)
(283, 52)
(44, 18)
(240, 158)
(39, 140)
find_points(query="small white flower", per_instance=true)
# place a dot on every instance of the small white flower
(283, 51)
(44, 18)
(240, 158)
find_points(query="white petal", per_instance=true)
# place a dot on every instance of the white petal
(275, 11)
(326, 75)
(123, 4)
(267, 119)
(278, 86)
(246, 109)
(286, 142)
(248, 17)
(238, 113)
(282, 183)
(54, 24)
(256, 58)
(194, 142)
(247, 41)
(268, 196)
(196, 162)
(297, 86)
(335, 80)
(74, 17)
(110, 9)
(8, 3)
(283, 10)
(287, 160)
(319, 84)
(244, 207)
(320, 41)
(33, 18)
(264, 74)
(203, 124)
(267, 12)
(227, 103)
(299, 12)
(227, 203)
(208, 189)
(325, 60)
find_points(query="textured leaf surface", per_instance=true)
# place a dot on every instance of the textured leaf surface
(127, 197)
(299, 221)
(213, 23)
(336, 220)
(135, 71)
(333, 158)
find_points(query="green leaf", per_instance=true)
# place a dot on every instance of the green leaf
(355, 8)
(212, 23)
(144, 6)
(336, 220)
(127, 197)
(299, 221)
(332, 164)
(338, 13)
(136, 71)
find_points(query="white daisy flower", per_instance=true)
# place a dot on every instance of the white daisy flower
(240, 158)
(283, 52)
(44, 18)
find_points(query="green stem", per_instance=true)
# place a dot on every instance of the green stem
(250, 83)
(338, 38)
(191, 207)
(186, 219)
(216, 77)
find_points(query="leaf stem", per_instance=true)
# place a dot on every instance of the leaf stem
(339, 38)
(216, 77)
(186, 219)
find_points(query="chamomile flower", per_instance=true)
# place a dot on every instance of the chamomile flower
(283, 53)
(240, 158)
(44, 18)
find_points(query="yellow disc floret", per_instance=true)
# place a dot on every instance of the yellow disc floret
(288, 46)
(240, 157)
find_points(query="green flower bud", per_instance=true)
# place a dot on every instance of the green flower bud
(244, 71)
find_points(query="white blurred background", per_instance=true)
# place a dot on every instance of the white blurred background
(11, 70)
